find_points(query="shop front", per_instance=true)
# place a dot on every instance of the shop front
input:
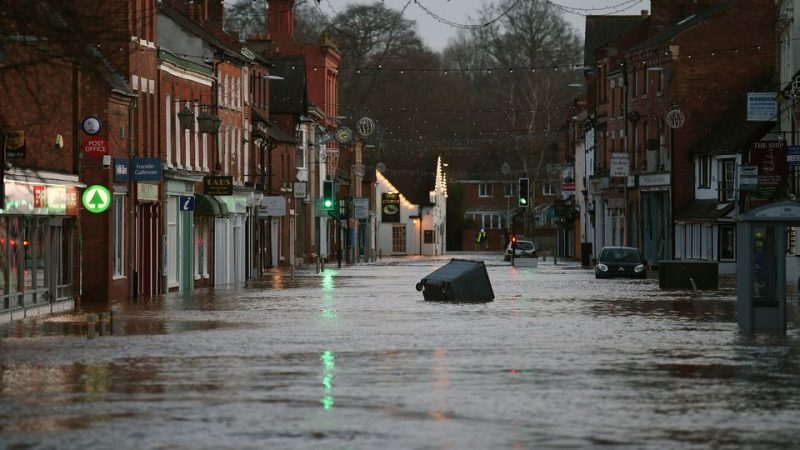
(230, 241)
(179, 234)
(38, 242)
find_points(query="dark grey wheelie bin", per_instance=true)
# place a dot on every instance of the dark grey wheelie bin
(460, 280)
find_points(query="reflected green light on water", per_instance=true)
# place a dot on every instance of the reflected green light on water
(328, 368)
(328, 311)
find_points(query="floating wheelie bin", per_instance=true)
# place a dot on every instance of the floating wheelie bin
(460, 280)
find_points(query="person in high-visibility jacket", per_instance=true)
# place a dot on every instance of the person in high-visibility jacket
(480, 240)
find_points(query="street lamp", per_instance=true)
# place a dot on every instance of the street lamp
(185, 117)
(208, 123)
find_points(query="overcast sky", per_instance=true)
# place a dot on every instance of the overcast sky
(436, 34)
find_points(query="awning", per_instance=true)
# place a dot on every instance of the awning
(208, 205)
(703, 211)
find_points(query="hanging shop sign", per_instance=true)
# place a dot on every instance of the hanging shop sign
(96, 199)
(390, 207)
(186, 202)
(218, 185)
(146, 169)
(95, 147)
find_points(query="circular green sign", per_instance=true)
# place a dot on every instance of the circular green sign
(96, 198)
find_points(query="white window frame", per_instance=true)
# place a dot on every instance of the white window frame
(485, 190)
(548, 189)
(119, 236)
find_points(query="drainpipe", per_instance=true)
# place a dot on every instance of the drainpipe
(131, 204)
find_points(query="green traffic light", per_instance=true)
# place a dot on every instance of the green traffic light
(328, 203)
(523, 201)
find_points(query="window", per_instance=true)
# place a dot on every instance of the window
(484, 190)
(727, 242)
(430, 237)
(704, 171)
(490, 221)
(634, 85)
(660, 82)
(119, 235)
(727, 173)
(548, 189)
(508, 190)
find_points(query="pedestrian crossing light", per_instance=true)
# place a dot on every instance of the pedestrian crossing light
(327, 195)
(523, 192)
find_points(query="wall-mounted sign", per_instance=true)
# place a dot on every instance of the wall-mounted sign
(361, 208)
(186, 203)
(146, 192)
(96, 199)
(218, 185)
(390, 207)
(91, 125)
(272, 206)
(748, 178)
(762, 107)
(39, 199)
(658, 179)
(95, 147)
(770, 157)
(619, 165)
(14, 144)
(120, 170)
(146, 169)
(793, 155)
(300, 189)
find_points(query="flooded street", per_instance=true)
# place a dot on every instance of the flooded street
(354, 358)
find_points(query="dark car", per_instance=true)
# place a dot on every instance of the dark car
(620, 262)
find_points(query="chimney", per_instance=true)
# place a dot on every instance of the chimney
(666, 13)
(214, 11)
(280, 20)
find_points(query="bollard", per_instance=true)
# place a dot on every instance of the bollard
(116, 326)
(380, 254)
(317, 263)
(103, 324)
(90, 326)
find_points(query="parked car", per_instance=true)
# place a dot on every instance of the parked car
(620, 262)
(525, 249)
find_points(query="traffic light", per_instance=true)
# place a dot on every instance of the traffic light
(523, 193)
(327, 195)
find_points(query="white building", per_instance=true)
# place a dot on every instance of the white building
(404, 228)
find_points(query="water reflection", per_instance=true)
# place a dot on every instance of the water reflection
(558, 359)
(328, 359)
